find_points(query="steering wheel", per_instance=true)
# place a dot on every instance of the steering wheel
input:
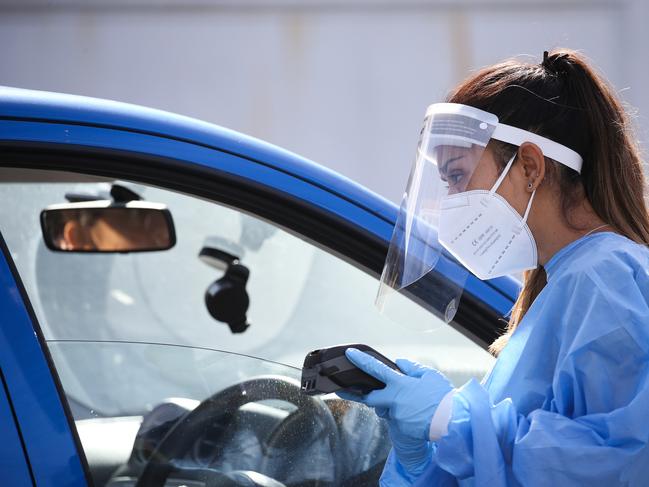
(220, 408)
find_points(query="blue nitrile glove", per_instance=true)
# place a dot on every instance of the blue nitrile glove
(409, 400)
(413, 454)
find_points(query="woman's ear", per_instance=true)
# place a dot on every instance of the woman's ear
(532, 165)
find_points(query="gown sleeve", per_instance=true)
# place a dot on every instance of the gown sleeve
(593, 428)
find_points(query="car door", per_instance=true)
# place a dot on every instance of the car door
(314, 244)
(38, 445)
(13, 463)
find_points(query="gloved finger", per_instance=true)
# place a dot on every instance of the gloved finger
(410, 368)
(377, 403)
(370, 365)
(381, 412)
(381, 398)
(349, 396)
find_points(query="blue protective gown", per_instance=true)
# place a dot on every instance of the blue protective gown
(567, 402)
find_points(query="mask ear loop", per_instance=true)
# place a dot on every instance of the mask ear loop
(499, 182)
(529, 207)
(502, 175)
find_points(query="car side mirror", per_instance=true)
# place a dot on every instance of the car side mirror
(106, 226)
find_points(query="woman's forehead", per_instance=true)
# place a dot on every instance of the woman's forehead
(446, 151)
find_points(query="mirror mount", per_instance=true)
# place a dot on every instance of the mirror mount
(121, 194)
(118, 193)
(226, 298)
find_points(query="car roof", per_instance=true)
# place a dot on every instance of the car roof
(58, 107)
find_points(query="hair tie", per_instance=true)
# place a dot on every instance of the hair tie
(556, 65)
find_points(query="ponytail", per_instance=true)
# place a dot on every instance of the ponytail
(565, 100)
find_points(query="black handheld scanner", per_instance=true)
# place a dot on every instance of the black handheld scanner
(328, 370)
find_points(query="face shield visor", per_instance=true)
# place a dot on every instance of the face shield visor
(450, 162)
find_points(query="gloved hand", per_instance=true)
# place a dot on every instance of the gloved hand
(409, 400)
(412, 453)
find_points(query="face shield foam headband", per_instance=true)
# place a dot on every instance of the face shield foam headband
(453, 124)
(441, 209)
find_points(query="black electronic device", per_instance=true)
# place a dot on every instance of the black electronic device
(226, 298)
(328, 370)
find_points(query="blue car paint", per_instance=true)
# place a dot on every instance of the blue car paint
(62, 119)
(48, 440)
(37, 105)
(13, 464)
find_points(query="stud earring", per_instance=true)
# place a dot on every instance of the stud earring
(529, 185)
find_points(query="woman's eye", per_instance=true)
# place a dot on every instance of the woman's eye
(455, 178)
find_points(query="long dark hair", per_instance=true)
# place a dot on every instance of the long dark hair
(564, 99)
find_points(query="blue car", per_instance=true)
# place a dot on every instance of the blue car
(178, 362)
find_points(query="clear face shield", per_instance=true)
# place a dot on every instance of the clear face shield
(450, 217)
(451, 144)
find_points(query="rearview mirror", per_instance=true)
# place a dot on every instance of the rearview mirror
(105, 226)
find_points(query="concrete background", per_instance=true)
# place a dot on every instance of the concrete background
(343, 83)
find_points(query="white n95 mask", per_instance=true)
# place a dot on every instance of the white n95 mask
(482, 231)
(445, 230)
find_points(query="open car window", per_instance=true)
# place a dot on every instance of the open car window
(137, 350)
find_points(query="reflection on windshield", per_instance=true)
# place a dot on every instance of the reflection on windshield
(180, 371)
(210, 415)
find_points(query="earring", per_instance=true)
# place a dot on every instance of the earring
(529, 185)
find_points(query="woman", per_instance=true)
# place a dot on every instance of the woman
(567, 402)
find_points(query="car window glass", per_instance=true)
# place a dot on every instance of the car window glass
(131, 336)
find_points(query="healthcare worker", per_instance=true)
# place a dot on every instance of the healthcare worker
(534, 169)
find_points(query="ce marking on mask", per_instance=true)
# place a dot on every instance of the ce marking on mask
(486, 240)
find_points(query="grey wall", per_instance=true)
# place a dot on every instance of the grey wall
(343, 83)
